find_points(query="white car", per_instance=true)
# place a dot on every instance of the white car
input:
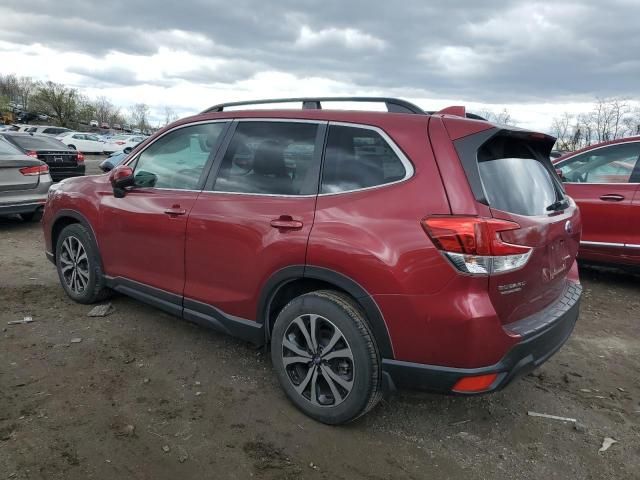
(122, 142)
(93, 123)
(83, 142)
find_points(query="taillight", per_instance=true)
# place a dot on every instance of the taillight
(473, 244)
(80, 157)
(32, 153)
(120, 143)
(37, 170)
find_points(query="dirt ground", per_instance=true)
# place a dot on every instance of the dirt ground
(144, 395)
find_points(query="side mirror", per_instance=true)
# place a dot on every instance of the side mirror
(560, 174)
(120, 178)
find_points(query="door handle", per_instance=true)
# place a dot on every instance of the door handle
(612, 197)
(286, 222)
(175, 211)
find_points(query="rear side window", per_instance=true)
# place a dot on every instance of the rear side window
(514, 178)
(273, 158)
(358, 158)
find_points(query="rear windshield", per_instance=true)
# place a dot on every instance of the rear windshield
(8, 149)
(514, 178)
(39, 143)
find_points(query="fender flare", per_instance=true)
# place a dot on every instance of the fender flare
(65, 212)
(288, 274)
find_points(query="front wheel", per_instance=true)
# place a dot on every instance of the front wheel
(326, 358)
(78, 265)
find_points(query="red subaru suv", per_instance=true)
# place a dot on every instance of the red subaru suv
(370, 250)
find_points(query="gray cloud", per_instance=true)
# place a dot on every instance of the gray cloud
(490, 51)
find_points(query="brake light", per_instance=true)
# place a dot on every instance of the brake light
(80, 157)
(32, 153)
(473, 244)
(33, 171)
(120, 143)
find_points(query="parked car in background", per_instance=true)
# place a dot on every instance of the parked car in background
(44, 129)
(63, 161)
(112, 161)
(370, 250)
(104, 125)
(121, 142)
(116, 126)
(93, 123)
(85, 142)
(24, 183)
(604, 180)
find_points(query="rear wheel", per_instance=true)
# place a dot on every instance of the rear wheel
(325, 357)
(78, 265)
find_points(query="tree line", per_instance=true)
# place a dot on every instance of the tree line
(68, 107)
(609, 119)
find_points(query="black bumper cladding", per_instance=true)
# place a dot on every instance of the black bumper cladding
(542, 335)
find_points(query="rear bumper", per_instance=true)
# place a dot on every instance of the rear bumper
(60, 173)
(542, 335)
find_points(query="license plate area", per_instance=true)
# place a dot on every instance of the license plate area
(559, 257)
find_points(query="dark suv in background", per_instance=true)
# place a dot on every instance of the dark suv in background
(371, 250)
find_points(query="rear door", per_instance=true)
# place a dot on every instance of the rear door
(254, 216)
(600, 181)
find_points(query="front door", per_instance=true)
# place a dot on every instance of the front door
(254, 216)
(143, 234)
(602, 182)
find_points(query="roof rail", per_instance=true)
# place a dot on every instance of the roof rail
(394, 105)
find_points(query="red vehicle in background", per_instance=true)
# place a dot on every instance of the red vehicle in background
(604, 180)
(370, 250)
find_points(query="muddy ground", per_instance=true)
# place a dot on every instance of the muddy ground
(144, 395)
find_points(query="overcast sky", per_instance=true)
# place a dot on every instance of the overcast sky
(535, 58)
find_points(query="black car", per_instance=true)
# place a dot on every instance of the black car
(63, 161)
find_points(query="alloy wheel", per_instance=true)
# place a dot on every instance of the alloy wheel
(318, 360)
(74, 264)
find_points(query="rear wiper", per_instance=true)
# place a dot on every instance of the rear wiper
(559, 205)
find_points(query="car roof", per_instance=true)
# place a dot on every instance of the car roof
(597, 145)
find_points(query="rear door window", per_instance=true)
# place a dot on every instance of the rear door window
(357, 158)
(514, 178)
(273, 158)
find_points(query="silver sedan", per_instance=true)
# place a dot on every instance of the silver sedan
(24, 183)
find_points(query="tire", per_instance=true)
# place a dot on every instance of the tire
(35, 216)
(72, 146)
(345, 388)
(75, 240)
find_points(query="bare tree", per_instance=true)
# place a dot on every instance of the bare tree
(57, 101)
(170, 115)
(503, 117)
(561, 129)
(139, 116)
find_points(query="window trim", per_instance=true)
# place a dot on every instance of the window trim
(408, 166)
(635, 173)
(207, 167)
